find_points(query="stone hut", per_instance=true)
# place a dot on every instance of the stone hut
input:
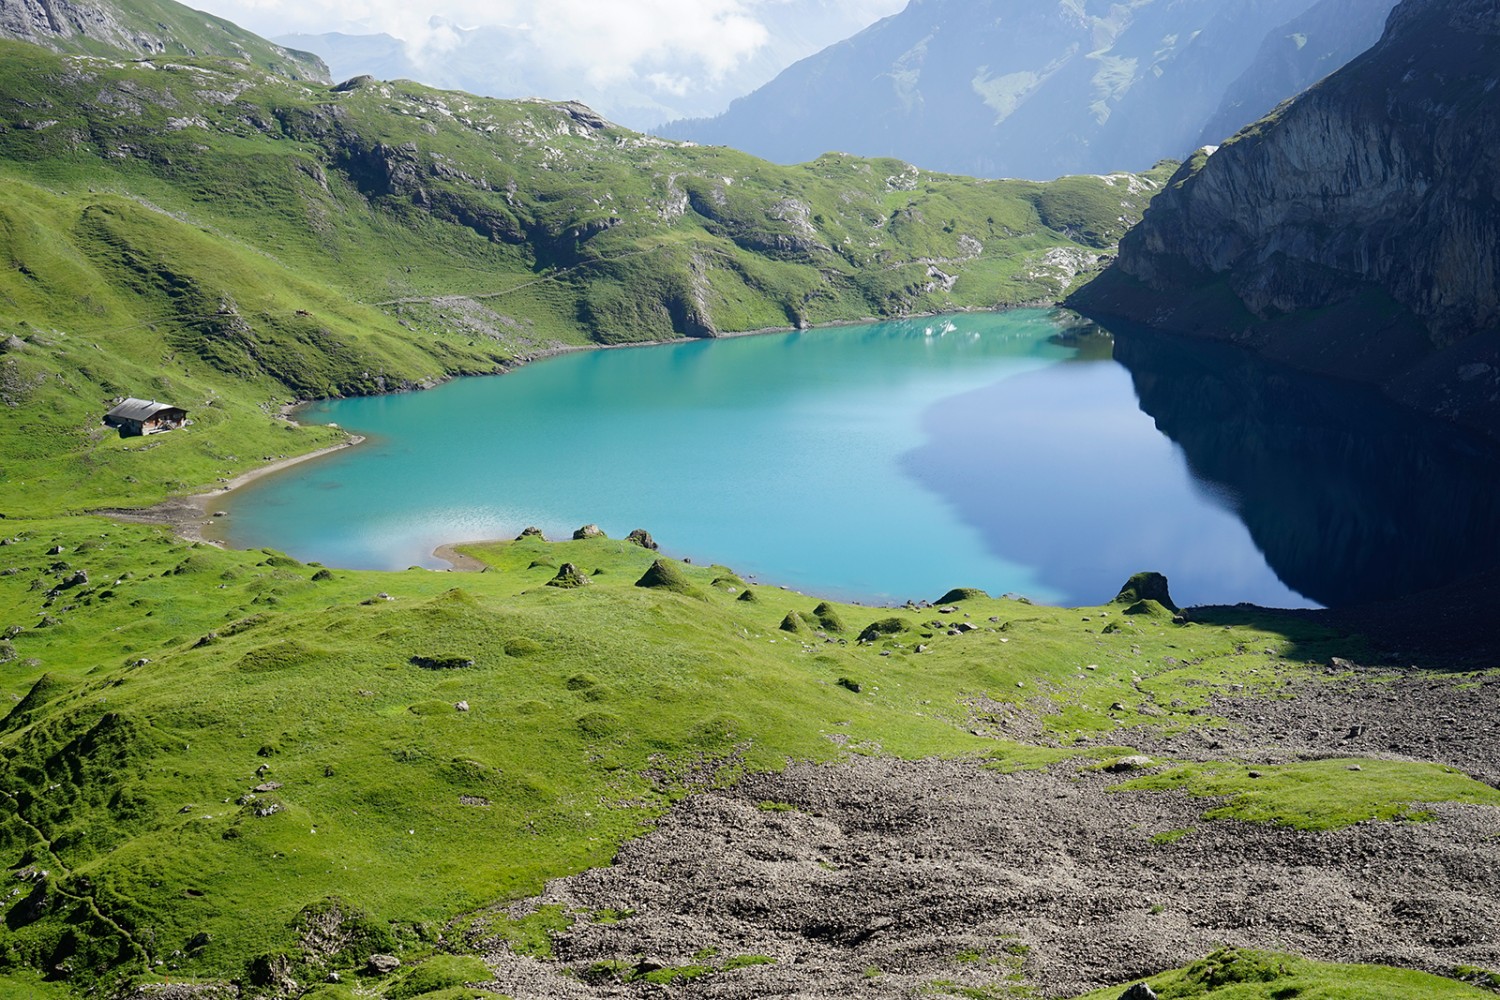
(142, 416)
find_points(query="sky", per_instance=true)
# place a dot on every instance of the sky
(608, 40)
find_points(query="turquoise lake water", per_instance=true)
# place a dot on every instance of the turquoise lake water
(874, 463)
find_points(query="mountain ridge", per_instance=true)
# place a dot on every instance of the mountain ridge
(1040, 90)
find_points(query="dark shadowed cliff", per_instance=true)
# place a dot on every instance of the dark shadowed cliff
(1354, 231)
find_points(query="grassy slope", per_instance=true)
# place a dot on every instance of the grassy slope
(176, 31)
(586, 710)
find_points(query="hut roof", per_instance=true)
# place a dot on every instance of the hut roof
(138, 409)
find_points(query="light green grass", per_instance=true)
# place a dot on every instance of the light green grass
(1232, 974)
(1321, 794)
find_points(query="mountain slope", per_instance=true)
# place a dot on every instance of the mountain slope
(158, 28)
(1353, 232)
(1296, 55)
(1005, 89)
(324, 241)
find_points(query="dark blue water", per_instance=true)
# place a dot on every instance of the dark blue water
(875, 463)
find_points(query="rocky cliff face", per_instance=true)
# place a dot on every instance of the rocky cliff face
(996, 88)
(137, 28)
(1354, 231)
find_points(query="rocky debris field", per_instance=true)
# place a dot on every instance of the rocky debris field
(885, 878)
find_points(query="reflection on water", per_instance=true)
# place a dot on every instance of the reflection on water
(901, 459)
(1350, 498)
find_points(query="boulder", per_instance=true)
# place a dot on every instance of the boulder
(568, 576)
(1146, 587)
(642, 537)
(589, 531)
(383, 965)
(531, 531)
(1140, 991)
(1134, 762)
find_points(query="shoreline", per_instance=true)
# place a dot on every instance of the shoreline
(189, 517)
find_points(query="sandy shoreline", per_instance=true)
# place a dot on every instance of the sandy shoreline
(189, 517)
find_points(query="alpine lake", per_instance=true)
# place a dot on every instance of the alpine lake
(1024, 452)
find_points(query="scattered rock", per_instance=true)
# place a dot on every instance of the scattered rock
(1254, 774)
(531, 531)
(642, 537)
(382, 965)
(473, 800)
(963, 627)
(461, 706)
(1355, 767)
(1140, 991)
(589, 531)
(269, 786)
(1339, 663)
(568, 577)
(846, 683)
(1134, 762)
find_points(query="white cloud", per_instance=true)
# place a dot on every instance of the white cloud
(606, 39)
(621, 53)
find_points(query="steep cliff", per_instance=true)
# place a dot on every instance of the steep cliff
(1355, 231)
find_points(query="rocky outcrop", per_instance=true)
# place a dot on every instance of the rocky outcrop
(147, 28)
(1355, 231)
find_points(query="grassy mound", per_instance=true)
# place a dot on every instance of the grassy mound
(667, 575)
(958, 594)
(1146, 587)
(1241, 974)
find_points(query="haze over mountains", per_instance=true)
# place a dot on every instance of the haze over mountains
(663, 80)
(1001, 88)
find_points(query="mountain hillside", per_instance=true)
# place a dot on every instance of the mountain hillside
(147, 28)
(267, 239)
(1295, 55)
(1355, 231)
(996, 88)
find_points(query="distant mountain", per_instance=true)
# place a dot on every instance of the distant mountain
(137, 28)
(1354, 231)
(1027, 89)
(1294, 56)
(515, 62)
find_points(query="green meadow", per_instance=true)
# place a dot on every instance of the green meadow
(206, 756)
